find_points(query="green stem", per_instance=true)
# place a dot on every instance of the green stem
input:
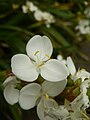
(15, 112)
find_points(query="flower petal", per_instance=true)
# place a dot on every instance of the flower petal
(10, 80)
(43, 108)
(29, 95)
(82, 74)
(24, 9)
(39, 48)
(31, 89)
(54, 71)
(53, 88)
(71, 66)
(31, 6)
(61, 113)
(23, 68)
(27, 101)
(11, 94)
(50, 103)
(38, 14)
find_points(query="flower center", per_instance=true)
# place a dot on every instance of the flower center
(39, 61)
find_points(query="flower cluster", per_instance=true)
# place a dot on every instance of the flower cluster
(74, 110)
(44, 79)
(84, 24)
(87, 12)
(38, 14)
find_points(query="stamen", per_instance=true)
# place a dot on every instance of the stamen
(46, 95)
(36, 52)
(41, 64)
(47, 56)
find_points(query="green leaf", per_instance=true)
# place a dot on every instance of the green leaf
(65, 14)
(3, 76)
(15, 110)
(88, 92)
(70, 82)
(76, 91)
(78, 82)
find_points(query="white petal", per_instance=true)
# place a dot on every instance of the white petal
(42, 109)
(53, 88)
(23, 68)
(50, 103)
(71, 66)
(61, 112)
(29, 95)
(38, 14)
(31, 89)
(39, 48)
(54, 71)
(24, 9)
(10, 79)
(27, 101)
(31, 6)
(82, 74)
(11, 94)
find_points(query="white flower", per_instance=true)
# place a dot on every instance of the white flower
(83, 74)
(86, 3)
(68, 112)
(81, 102)
(48, 17)
(44, 108)
(11, 94)
(87, 12)
(73, 110)
(33, 94)
(61, 113)
(45, 16)
(29, 7)
(84, 86)
(24, 9)
(38, 15)
(77, 107)
(39, 50)
(84, 26)
(78, 115)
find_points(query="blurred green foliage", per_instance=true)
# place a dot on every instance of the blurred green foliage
(16, 28)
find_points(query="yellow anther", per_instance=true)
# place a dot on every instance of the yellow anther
(47, 56)
(41, 64)
(46, 95)
(36, 52)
